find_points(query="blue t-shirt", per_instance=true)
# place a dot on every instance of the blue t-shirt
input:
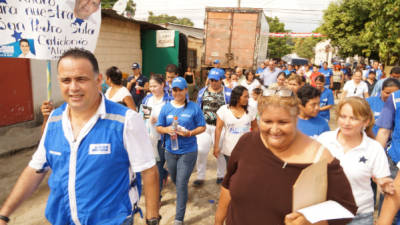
(326, 99)
(313, 127)
(386, 119)
(327, 73)
(259, 70)
(376, 105)
(189, 117)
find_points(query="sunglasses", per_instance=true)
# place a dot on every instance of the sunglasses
(355, 91)
(213, 80)
(278, 92)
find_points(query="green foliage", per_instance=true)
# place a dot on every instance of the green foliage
(382, 31)
(130, 7)
(369, 28)
(164, 18)
(344, 22)
(304, 47)
(278, 47)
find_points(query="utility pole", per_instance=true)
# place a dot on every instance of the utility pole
(238, 3)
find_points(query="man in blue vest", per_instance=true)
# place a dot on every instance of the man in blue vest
(93, 147)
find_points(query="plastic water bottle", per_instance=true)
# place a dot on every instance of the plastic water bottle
(174, 137)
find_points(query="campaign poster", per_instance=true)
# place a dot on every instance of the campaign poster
(45, 29)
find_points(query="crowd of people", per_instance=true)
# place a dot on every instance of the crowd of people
(263, 126)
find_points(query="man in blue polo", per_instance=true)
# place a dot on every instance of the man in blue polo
(93, 147)
(327, 72)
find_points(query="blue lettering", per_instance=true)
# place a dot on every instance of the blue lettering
(82, 30)
(17, 26)
(5, 9)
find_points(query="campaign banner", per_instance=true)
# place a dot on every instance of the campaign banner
(45, 29)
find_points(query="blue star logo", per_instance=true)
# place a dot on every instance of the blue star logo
(77, 21)
(363, 159)
(3, 1)
(16, 35)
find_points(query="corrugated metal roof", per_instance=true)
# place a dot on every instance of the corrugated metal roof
(187, 30)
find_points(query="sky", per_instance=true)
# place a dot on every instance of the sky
(298, 15)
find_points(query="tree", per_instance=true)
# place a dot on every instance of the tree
(304, 47)
(369, 28)
(164, 18)
(382, 31)
(343, 23)
(130, 6)
(278, 47)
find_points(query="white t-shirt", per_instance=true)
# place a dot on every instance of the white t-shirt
(119, 95)
(355, 90)
(155, 106)
(359, 164)
(251, 86)
(234, 127)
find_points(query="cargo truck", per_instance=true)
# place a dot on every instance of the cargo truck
(235, 36)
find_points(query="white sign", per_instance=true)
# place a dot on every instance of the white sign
(165, 38)
(45, 29)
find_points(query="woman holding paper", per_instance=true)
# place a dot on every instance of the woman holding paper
(361, 157)
(264, 166)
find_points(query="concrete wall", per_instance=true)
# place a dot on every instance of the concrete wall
(118, 45)
(194, 43)
(39, 85)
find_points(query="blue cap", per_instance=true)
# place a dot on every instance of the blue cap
(216, 74)
(135, 66)
(216, 61)
(368, 67)
(179, 82)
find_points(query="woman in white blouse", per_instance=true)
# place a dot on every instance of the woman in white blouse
(361, 157)
(117, 92)
(355, 87)
(250, 82)
(236, 120)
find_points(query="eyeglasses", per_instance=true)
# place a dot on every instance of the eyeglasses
(278, 92)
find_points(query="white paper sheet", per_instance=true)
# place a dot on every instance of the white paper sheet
(328, 210)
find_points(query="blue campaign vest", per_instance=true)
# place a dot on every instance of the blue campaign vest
(103, 178)
(394, 149)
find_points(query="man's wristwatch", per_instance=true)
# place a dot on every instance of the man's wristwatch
(4, 218)
(153, 221)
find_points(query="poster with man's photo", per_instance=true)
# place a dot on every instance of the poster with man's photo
(44, 29)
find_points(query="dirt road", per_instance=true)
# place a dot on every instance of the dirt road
(200, 208)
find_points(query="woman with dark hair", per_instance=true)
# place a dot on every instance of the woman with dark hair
(236, 119)
(280, 81)
(117, 92)
(250, 82)
(150, 109)
(376, 103)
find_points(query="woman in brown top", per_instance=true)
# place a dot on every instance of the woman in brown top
(264, 165)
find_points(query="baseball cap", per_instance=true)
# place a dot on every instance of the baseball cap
(179, 82)
(216, 61)
(216, 74)
(135, 66)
